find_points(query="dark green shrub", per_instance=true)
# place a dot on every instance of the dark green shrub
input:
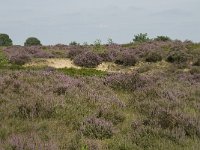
(162, 38)
(141, 38)
(5, 40)
(74, 43)
(32, 41)
(153, 57)
(177, 57)
(87, 59)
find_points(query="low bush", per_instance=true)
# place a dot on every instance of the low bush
(177, 57)
(197, 63)
(115, 116)
(75, 52)
(162, 38)
(109, 55)
(20, 59)
(97, 128)
(83, 72)
(153, 57)
(3, 58)
(87, 59)
(128, 82)
(195, 70)
(30, 141)
(126, 58)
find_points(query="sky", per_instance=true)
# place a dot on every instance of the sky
(63, 21)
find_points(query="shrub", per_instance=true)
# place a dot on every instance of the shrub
(177, 57)
(3, 59)
(109, 55)
(5, 40)
(74, 43)
(87, 59)
(126, 58)
(98, 47)
(153, 57)
(32, 41)
(83, 72)
(162, 38)
(128, 82)
(30, 141)
(110, 41)
(74, 52)
(97, 128)
(114, 116)
(141, 38)
(197, 63)
(20, 59)
(195, 70)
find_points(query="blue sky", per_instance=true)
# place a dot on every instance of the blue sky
(62, 21)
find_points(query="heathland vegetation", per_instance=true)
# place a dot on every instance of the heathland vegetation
(153, 105)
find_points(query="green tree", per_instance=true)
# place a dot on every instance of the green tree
(142, 37)
(32, 41)
(5, 40)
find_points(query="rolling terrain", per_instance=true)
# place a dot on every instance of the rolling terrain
(139, 96)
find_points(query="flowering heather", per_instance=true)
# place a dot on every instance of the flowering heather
(123, 81)
(75, 52)
(49, 108)
(87, 59)
(31, 141)
(109, 55)
(126, 58)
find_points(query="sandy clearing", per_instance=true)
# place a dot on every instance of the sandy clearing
(105, 66)
(67, 63)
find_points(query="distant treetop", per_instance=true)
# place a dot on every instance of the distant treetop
(32, 41)
(142, 37)
(5, 40)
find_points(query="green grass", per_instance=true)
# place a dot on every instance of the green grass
(82, 72)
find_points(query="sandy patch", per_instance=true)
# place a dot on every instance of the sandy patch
(105, 66)
(52, 62)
